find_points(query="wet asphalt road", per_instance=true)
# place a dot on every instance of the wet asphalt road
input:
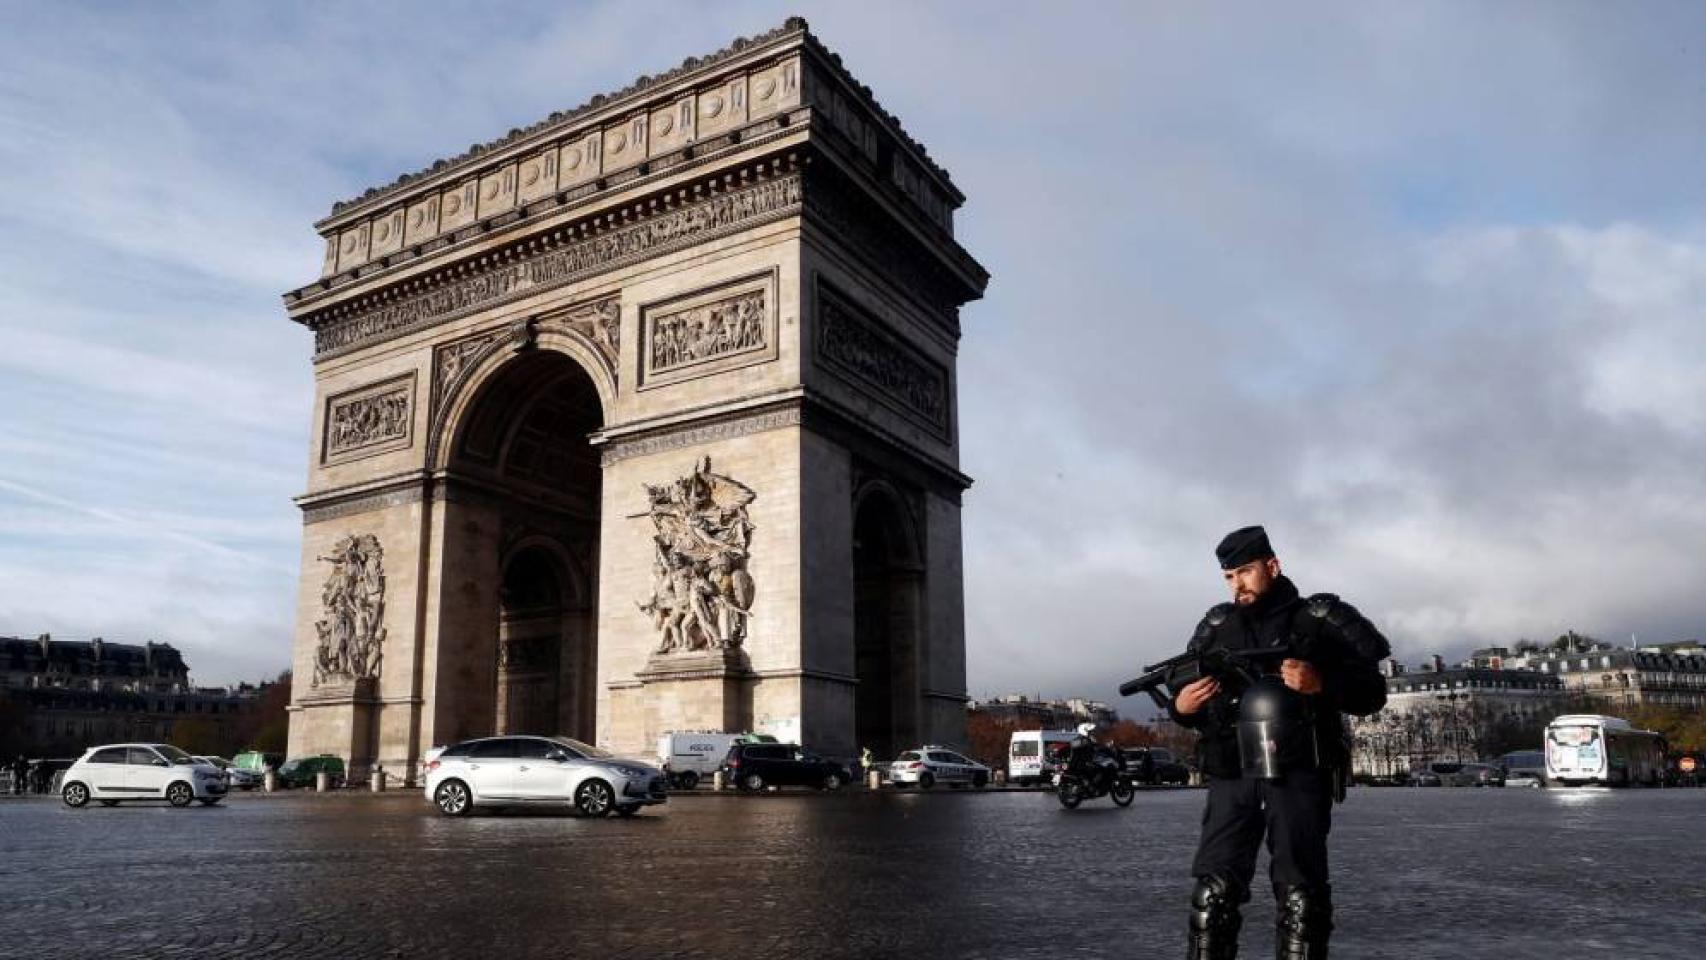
(1417, 873)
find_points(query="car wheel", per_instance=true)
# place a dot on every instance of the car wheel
(689, 780)
(926, 781)
(453, 799)
(179, 794)
(109, 803)
(980, 780)
(752, 782)
(832, 782)
(1123, 793)
(595, 798)
(74, 794)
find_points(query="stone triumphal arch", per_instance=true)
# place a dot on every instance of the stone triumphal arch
(642, 419)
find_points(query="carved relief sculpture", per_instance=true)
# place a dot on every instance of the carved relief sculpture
(369, 420)
(353, 604)
(858, 346)
(701, 591)
(720, 329)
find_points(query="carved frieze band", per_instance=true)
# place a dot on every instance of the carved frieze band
(620, 450)
(710, 331)
(858, 346)
(372, 419)
(527, 273)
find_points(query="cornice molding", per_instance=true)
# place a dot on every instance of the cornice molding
(607, 106)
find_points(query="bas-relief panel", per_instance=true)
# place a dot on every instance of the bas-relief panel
(457, 206)
(855, 344)
(368, 420)
(723, 328)
(497, 191)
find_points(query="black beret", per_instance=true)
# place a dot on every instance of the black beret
(1242, 546)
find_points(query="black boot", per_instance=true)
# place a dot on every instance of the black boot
(1303, 922)
(1215, 920)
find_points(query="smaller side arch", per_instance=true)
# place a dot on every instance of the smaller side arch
(905, 537)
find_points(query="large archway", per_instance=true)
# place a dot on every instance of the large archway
(522, 454)
(888, 591)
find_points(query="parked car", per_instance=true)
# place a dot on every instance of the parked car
(754, 766)
(257, 762)
(234, 778)
(930, 765)
(519, 771)
(1425, 776)
(1524, 768)
(1451, 773)
(1156, 766)
(141, 771)
(1481, 775)
(301, 771)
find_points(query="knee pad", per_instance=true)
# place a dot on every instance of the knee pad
(1214, 904)
(1304, 920)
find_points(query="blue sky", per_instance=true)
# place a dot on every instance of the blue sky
(1419, 286)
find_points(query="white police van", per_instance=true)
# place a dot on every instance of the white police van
(1029, 752)
(691, 756)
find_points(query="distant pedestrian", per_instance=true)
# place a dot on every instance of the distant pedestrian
(20, 774)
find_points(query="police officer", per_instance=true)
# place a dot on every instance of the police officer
(1333, 669)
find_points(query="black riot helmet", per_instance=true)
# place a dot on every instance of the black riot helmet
(1275, 731)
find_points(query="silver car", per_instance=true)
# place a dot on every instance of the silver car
(520, 771)
(930, 765)
(235, 777)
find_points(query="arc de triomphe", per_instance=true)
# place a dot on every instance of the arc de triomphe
(642, 419)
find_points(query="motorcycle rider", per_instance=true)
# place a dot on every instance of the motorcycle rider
(1294, 808)
(1089, 761)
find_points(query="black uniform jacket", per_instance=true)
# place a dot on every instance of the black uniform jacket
(1343, 646)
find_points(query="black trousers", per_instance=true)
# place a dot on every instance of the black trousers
(1294, 812)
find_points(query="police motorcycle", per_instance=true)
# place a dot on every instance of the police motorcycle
(1275, 727)
(1090, 770)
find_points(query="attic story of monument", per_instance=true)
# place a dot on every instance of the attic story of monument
(641, 419)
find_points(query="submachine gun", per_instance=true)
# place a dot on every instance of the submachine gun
(1275, 725)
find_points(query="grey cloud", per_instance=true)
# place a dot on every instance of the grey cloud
(1417, 286)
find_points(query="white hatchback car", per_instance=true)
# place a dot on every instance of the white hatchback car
(525, 770)
(141, 771)
(930, 765)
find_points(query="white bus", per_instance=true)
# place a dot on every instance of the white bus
(1029, 750)
(1586, 748)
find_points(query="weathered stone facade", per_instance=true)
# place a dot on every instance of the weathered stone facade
(649, 410)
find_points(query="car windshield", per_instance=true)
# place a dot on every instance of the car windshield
(173, 754)
(290, 766)
(910, 755)
(584, 749)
